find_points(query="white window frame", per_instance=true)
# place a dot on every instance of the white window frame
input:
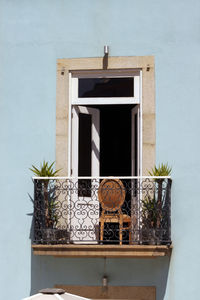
(132, 73)
(74, 100)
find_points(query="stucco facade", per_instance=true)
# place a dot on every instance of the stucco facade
(33, 35)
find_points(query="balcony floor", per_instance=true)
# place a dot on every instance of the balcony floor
(112, 251)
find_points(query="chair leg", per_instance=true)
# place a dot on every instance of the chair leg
(101, 230)
(120, 228)
(130, 234)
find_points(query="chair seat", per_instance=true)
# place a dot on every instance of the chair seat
(115, 218)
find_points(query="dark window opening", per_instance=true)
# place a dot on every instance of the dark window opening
(105, 87)
(84, 154)
(115, 140)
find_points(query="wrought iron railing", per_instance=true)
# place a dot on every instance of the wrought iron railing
(109, 210)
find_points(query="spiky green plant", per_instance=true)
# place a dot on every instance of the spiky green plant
(45, 170)
(154, 206)
(161, 170)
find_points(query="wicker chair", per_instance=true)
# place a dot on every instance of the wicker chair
(111, 195)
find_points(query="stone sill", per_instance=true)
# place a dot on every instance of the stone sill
(111, 251)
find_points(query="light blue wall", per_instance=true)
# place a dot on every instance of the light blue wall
(33, 34)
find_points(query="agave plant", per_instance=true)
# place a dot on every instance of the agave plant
(152, 206)
(161, 170)
(46, 170)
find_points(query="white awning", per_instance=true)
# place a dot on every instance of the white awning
(54, 294)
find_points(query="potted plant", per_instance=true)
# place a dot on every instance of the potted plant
(152, 206)
(149, 220)
(50, 205)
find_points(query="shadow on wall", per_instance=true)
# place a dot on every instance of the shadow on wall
(47, 271)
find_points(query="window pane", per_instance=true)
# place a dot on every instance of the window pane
(105, 87)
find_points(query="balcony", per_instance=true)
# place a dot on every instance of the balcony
(102, 217)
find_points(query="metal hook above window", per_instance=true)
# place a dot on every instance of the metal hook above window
(105, 58)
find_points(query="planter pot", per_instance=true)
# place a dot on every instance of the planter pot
(55, 236)
(150, 237)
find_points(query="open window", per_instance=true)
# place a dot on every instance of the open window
(114, 99)
(105, 141)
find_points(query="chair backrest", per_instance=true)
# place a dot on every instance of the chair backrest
(111, 194)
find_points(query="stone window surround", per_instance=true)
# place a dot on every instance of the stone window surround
(64, 66)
